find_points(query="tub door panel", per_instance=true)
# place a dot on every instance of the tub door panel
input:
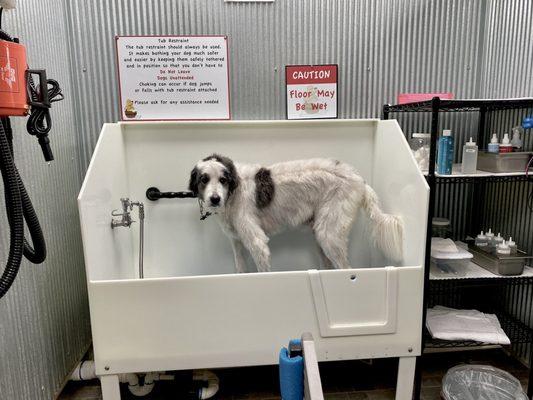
(355, 302)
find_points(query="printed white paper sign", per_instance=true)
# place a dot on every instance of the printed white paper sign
(173, 77)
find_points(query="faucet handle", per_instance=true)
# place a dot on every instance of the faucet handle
(116, 213)
(126, 204)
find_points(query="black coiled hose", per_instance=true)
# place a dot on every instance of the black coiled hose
(19, 208)
(15, 214)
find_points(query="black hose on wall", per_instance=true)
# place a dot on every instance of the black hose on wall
(19, 208)
(38, 254)
(15, 215)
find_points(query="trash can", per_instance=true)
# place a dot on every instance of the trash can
(480, 382)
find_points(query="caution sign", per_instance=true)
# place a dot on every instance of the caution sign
(311, 91)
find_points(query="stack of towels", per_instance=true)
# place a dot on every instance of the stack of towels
(447, 249)
(450, 324)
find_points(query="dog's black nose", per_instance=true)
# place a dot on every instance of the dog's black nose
(215, 199)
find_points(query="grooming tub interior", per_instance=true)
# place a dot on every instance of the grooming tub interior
(191, 310)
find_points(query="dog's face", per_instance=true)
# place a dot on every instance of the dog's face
(213, 180)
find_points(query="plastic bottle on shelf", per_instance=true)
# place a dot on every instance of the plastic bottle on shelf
(481, 240)
(506, 146)
(503, 249)
(420, 143)
(512, 245)
(469, 165)
(441, 227)
(445, 153)
(490, 240)
(494, 146)
(516, 141)
(497, 240)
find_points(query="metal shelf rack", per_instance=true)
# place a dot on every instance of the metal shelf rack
(482, 178)
(465, 293)
(481, 105)
(459, 293)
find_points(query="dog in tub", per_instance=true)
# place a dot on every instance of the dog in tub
(253, 202)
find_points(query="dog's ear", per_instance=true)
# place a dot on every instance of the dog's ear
(230, 173)
(194, 181)
(233, 180)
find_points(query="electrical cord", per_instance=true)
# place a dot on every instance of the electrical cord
(39, 122)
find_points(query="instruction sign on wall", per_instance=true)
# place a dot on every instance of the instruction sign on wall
(311, 91)
(173, 77)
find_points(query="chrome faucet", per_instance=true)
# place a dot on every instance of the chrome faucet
(126, 220)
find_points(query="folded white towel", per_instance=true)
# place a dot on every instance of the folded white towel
(451, 324)
(447, 249)
(442, 245)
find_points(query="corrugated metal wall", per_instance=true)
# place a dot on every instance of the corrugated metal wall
(44, 319)
(383, 47)
(508, 71)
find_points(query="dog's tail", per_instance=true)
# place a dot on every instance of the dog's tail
(387, 230)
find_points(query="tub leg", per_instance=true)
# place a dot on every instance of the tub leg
(110, 387)
(406, 377)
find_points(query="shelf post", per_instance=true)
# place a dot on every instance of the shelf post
(530, 376)
(481, 127)
(478, 190)
(435, 106)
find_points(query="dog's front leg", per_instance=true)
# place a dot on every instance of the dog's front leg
(240, 262)
(255, 240)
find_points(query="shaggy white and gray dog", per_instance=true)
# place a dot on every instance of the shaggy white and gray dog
(254, 202)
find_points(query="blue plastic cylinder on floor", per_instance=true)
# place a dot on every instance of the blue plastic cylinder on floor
(291, 375)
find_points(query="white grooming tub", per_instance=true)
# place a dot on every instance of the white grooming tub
(191, 310)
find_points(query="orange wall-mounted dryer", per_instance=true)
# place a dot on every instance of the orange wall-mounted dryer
(13, 86)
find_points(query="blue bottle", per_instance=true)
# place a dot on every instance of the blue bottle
(445, 153)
